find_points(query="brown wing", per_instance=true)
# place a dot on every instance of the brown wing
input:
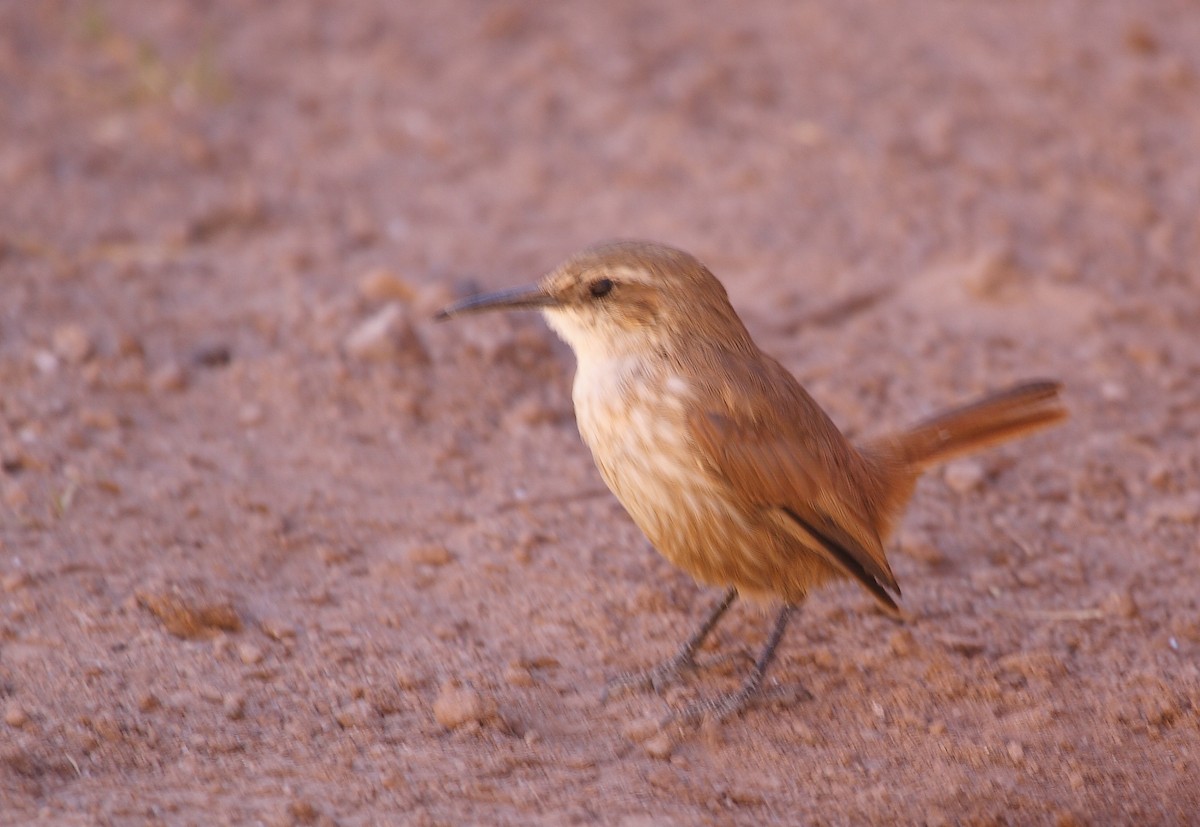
(770, 442)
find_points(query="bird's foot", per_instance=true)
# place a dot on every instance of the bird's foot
(716, 709)
(657, 677)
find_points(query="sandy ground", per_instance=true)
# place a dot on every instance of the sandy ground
(265, 529)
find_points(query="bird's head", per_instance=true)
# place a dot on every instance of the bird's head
(622, 298)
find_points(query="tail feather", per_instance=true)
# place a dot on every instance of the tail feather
(995, 418)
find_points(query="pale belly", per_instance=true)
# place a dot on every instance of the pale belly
(639, 441)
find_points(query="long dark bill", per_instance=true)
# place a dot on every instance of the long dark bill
(517, 298)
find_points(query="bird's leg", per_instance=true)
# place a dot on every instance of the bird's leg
(722, 707)
(664, 673)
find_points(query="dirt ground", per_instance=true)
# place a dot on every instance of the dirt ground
(276, 548)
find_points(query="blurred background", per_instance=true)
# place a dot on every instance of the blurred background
(260, 516)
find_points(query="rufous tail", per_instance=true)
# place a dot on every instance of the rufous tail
(995, 418)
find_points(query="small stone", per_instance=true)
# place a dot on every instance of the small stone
(45, 361)
(381, 285)
(210, 693)
(916, 546)
(457, 705)
(212, 355)
(518, 675)
(1158, 474)
(660, 746)
(1066, 818)
(189, 611)
(15, 715)
(168, 377)
(432, 297)
(72, 343)
(1016, 752)
(804, 733)
(15, 581)
(964, 476)
(250, 414)
(1120, 604)
(100, 419)
(129, 345)
(808, 134)
(303, 812)
(640, 729)
(1181, 509)
(937, 728)
(12, 457)
(357, 713)
(430, 555)
(386, 335)
(1113, 392)
(234, 706)
(407, 678)
(992, 274)
(902, 642)
(249, 653)
(16, 496)
(276, 629)
(1139, 39)
(334, 555)
(148, 702)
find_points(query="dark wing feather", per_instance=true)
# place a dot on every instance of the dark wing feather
(770, 442)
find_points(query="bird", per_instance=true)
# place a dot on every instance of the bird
(731, 470)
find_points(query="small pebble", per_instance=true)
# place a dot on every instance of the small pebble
(430, 555)
(15, 715)
(303, 812)
(992, 274)
(383, 285)
(1113, 392)
(1158, 474)
(963, 476)
(249, 653)
(129, 345)
(276, 629)
(234, 706)
(45, 361)
(1120, 604)
(334, 555)
(1016, 752)
(168, 377)
(12, 457)
(250, 414)
(189, 610)
(518, 675)
(902, 642)
(212, 355)
(804, 733)
(14, 581)
(387, 334)
(1184, 508)
(407, 678)
(355, 714)
(72, 343)
(640, 729)
(99, 418)
(660, 746)
(457, 705)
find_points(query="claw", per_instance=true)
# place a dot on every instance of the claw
(657, 677)
(666, 673)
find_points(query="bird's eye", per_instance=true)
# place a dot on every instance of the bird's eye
(601, 287)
